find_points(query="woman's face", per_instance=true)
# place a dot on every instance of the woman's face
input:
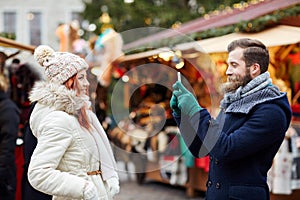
(83, 83)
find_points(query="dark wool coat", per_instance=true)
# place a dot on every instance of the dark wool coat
(9, 122)
(28, 192)
(241, 145)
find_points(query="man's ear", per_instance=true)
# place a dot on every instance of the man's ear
(255, 70)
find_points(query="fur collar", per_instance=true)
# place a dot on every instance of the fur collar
(56, 96)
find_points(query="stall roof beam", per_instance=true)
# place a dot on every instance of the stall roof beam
(5, 42)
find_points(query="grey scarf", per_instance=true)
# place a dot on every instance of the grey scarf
(258, 90)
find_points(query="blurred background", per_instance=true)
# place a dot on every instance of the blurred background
(135, 49)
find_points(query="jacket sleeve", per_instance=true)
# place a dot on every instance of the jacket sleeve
(265, 126)
(54, 138)
(194, 130)
(8, 134)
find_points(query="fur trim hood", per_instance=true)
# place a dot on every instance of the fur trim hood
(56, 96)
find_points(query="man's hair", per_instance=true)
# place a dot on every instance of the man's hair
(254, 52)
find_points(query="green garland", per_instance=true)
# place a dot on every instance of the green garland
(251, 26)
(8, 35)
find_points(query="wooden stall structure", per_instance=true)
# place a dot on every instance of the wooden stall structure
(5, 42)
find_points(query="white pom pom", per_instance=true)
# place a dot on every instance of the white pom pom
(42, 54)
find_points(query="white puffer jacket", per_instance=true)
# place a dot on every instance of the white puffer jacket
(65, 151)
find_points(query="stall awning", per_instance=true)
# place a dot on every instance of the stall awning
(277, 36)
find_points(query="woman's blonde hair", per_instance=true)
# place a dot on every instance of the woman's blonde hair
(3, 83)
(72, 83)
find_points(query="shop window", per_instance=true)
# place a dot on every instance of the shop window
(9, 22)
(76, 16)
(35, 21)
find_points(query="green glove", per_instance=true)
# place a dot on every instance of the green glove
(174, 105)
(187, 102)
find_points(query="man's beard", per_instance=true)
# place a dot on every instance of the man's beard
(234, 82)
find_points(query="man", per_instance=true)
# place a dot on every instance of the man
(9, 122)
(243, 140)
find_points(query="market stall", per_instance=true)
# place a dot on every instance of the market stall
(203, 69)
(146, 133)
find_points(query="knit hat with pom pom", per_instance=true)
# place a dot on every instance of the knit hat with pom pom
(59, 66)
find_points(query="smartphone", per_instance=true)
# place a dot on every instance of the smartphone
(179, 76)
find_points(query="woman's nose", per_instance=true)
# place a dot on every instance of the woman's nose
(87, 83)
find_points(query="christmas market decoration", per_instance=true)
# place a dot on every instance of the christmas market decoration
(255, 25)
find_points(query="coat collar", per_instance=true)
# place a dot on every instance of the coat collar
(56, 96)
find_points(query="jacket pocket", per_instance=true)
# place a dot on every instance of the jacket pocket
(247, 193)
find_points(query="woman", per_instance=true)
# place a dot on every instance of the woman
(73, 158)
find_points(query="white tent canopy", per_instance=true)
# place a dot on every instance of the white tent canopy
(276, 36)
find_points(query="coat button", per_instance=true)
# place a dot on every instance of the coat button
(209, 183)
(218, 185)
(216, 161)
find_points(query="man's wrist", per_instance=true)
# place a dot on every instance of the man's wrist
(194, 110)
